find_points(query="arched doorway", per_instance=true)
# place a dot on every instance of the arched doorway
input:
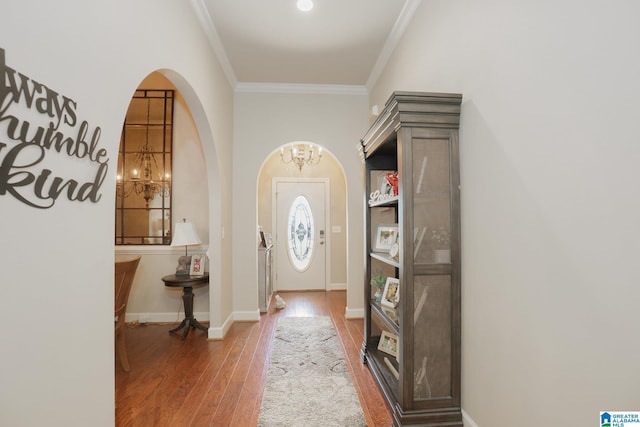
(149, 302)
(329, 168)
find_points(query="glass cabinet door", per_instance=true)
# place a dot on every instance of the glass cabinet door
(432, 201)
(432, 337)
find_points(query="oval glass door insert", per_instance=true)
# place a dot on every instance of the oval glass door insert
(301, 231)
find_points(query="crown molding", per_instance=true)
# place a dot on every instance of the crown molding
(395, 35)
(202, 13)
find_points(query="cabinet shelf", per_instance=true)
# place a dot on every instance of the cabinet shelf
(389, 316)
(386, 379)
(416, 136)
(386, 258)
(386, 202)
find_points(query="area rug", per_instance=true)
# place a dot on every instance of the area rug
(308, 382)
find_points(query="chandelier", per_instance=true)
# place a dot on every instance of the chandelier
(145, 178)
(301, 154)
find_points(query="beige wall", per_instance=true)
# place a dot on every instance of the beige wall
(57, 366)
(263, 121)
(549, 162)
(327, 168)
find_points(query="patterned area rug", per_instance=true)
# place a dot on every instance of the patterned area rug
(308, 383)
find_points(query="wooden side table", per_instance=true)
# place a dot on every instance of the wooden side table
(187, 283)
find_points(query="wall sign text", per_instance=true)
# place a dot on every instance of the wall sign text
(26, 145)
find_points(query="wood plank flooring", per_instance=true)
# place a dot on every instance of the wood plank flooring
(197, 382)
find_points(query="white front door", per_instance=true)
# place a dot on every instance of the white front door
(300, 234)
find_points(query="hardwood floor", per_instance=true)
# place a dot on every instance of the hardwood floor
(197, 382)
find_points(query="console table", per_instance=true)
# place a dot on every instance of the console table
(187, 283)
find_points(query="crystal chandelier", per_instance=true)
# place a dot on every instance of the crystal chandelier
(145, 179)
(301, 154)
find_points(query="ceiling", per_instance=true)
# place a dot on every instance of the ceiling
(338, 42)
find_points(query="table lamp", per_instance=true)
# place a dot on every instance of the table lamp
(184, 234)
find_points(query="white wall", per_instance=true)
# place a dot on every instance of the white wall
(549, 158)
(262, 123)
(57, 352)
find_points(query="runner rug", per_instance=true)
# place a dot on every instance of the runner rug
(308, 382)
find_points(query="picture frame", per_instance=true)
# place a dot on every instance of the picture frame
(391, 313)
(388, 343)
(391, 293)
(394, 252)
(197, 265)
(386, 235)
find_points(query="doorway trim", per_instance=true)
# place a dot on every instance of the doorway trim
(327, 222)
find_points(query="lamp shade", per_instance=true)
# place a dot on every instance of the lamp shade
(184, 233)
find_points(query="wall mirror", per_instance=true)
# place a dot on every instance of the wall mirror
(143, 188)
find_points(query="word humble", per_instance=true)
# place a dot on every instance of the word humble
(24, 146)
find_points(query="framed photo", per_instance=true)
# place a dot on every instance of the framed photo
(391, 293)
(391, 313)
(197, 265)
(386, 236)
(394, 252)
(388, 343)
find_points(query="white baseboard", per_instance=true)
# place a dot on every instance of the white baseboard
(467, 421)
(337, 287)
(214, 333)
(218, 333)
(246, 316)
(356, 313)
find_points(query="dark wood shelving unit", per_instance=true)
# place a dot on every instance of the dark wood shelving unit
(416, 135)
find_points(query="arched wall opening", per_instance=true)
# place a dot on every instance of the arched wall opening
(196, 197)
(337, 224)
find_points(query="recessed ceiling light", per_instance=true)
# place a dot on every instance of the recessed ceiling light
(305, 5)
